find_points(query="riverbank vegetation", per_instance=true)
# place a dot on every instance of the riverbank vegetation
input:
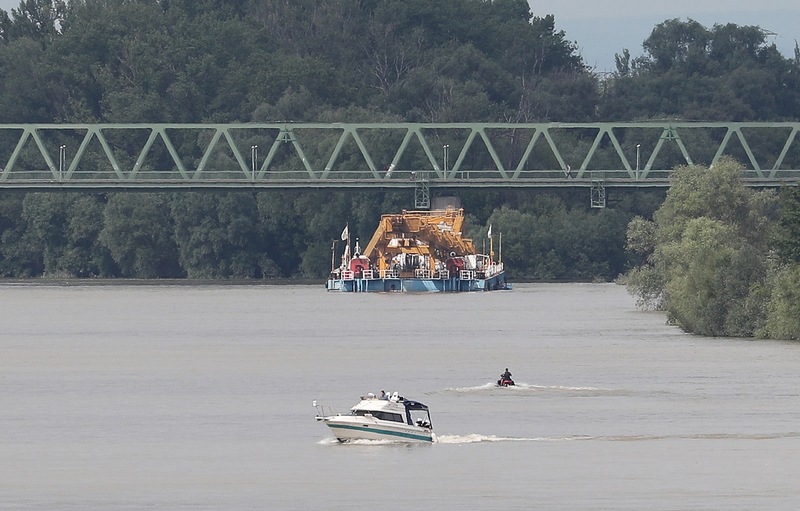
(726, 271)
(720, 258)
(290, 234)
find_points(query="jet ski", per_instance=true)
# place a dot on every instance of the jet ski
(505, 382)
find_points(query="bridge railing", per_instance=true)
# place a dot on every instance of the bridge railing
(287, 155)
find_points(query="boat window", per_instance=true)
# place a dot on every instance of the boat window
(420, 418)
(384, 416)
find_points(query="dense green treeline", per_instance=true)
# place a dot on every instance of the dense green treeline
(726, 73)
(338, 61)
(356, 60)
(720, 258)
(319, 60)
(283, 235)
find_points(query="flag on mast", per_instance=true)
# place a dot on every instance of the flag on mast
(346, 232)
(490, 231)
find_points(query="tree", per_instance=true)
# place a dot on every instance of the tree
(35, 19)
(218, 235)
(20, 256)
(783, 320)
(705, 255)
(688, 71)
(783, 315)
(65, 228)
(139, 232)
(787, 235)
(545, 239)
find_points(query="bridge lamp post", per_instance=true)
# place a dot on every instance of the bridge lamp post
(254, 158)
(62, 157)
(638, 147)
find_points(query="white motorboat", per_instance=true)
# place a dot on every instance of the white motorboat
(373, 418)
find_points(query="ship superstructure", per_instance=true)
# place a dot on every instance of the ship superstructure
(419, 251)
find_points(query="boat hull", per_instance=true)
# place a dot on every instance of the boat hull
(418, 285)
(347, 428)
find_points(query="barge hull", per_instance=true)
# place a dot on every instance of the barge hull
(418, 285)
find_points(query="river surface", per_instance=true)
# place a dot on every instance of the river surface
(200, 397)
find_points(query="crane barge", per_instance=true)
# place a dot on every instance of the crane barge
(418, 251)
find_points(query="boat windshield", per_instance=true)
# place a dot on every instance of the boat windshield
(420, 418)
(384, 416)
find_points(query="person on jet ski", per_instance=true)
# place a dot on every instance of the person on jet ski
(506, 375)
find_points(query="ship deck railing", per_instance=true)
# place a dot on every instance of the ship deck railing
(419, 273)
(494, 269)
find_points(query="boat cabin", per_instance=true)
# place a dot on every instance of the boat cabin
(394, 409)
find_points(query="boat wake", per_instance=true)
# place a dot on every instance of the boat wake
(476, 438)
(488, 386)
(526, 387)
(363, 441)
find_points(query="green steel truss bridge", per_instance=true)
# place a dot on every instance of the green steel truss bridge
(384, 155)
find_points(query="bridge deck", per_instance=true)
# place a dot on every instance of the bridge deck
(377, 155)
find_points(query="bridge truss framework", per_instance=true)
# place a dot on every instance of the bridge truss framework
(386, 155)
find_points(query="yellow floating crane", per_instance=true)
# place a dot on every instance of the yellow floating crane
(418, 239)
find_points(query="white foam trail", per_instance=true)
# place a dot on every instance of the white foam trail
(477, 438)
(566, 388)
(364, 441)
(360, 441)
(526, 386)
(486, 386)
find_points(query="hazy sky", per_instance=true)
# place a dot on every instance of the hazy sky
(604, 27)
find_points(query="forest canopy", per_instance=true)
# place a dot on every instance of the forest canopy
(214, 61)
(356, 60)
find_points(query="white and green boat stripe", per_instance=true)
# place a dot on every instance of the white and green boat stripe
(383, 432)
